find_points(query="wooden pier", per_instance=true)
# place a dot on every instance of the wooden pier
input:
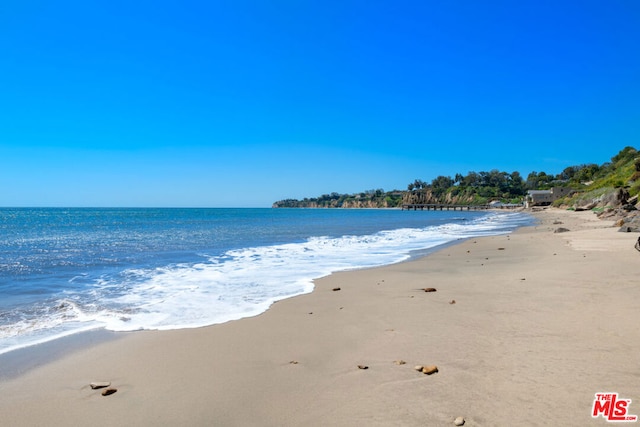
(441, 207)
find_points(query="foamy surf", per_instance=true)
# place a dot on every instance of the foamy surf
(234, 284)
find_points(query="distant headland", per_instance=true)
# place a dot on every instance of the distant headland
(610, 185)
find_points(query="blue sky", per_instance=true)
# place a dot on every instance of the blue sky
(242, 103)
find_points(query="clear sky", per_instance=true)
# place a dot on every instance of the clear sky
(242, 103)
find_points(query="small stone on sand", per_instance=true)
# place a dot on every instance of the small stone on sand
(109, 391)
(431, 369)
(99, 384)
(336, 289)
(400, 362)
(452, 301)
(459, 421)
(418, 368)
(363, 367)
(430, 289)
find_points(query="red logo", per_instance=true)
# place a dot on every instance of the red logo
(612, 408)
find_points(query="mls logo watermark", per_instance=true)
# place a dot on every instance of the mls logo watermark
(612, 408)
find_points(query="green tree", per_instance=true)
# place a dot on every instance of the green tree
(441, 184)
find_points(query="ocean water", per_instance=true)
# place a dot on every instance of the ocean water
(64, 271)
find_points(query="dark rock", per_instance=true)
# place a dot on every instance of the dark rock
(561, 230)
(631, 224)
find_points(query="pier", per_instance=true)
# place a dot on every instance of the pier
(442, 206)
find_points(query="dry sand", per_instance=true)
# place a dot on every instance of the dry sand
(541, 322)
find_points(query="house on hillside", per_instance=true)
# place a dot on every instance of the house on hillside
(546, 197)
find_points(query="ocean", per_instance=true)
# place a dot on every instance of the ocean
(65, 271)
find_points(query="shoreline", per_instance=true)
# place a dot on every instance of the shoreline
(540, 323)
(21, 359)
(17, 362)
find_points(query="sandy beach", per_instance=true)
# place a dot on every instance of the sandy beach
(524, 328)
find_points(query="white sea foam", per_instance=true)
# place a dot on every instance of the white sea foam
(240, 283)
(245, 282)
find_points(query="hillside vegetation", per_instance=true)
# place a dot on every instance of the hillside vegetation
(590, 182)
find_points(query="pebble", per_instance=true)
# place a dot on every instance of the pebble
(429, 289)
(363, 367)
(459, 421)
(336, 289)
(431, 369)
(400, 362)
(418, 368)
(109, 391)
(99, 384)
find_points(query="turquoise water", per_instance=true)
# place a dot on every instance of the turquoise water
(63, 271)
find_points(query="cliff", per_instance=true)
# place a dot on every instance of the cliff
(427, 196)
(593, 187)
(369, 199)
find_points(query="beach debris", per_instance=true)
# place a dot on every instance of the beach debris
(523, 278)
(561, 230)
(99, 384)
(109, 391)
(335, 289)
(452, 301)
(431, 369)
(459, 421)
(293, 362)
(501, 249)
(428, 370)
(363, 367)
(399, 362)
(430, 289)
